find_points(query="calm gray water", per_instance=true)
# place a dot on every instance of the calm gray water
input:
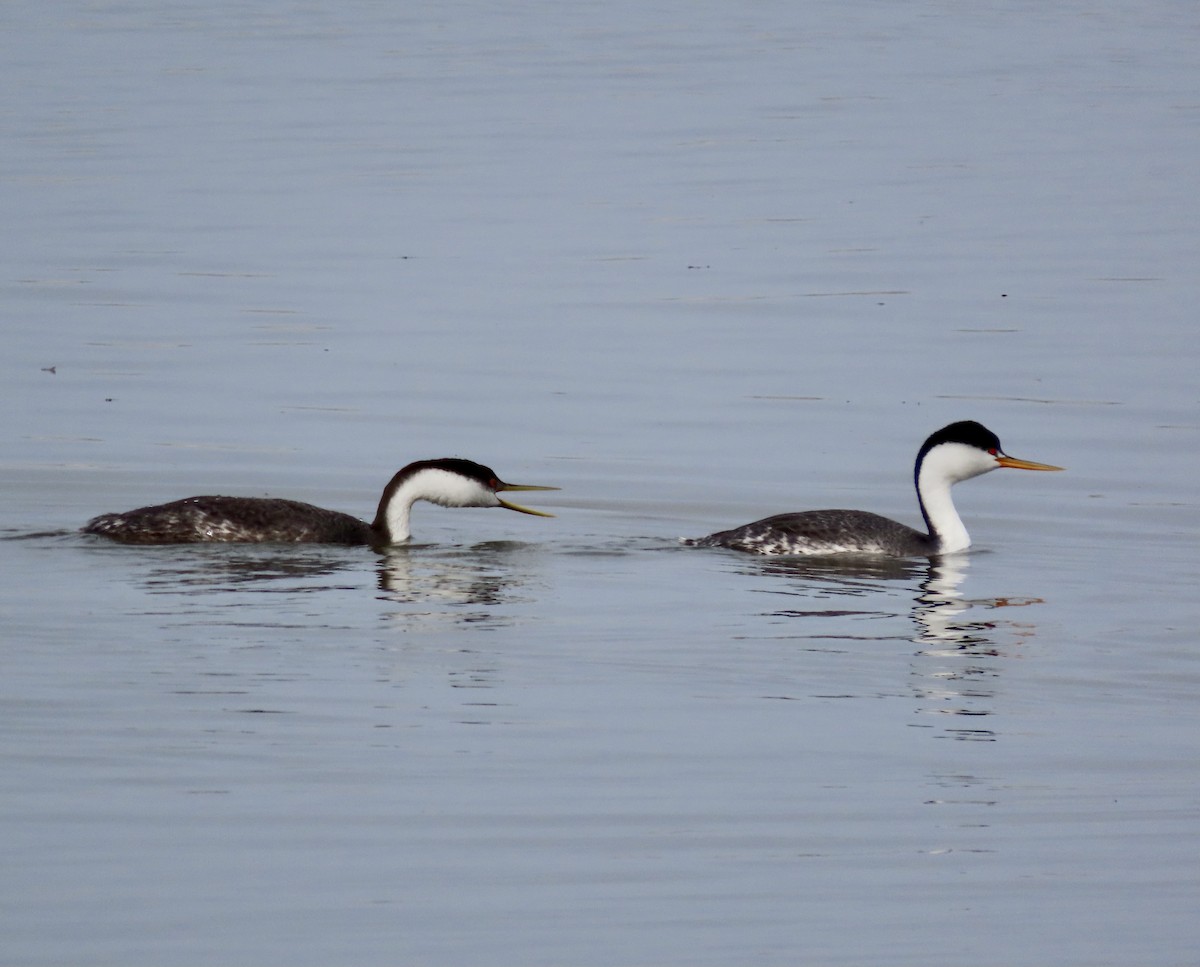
(694, 263)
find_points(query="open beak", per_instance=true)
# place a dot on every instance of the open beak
(1014, 464)
(518, 507)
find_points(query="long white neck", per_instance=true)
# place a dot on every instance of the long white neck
(941, 516)
(432, 484)
(396, 516)
(942, 467)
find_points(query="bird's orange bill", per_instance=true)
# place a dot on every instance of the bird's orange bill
(1014, 464)
(518, 507)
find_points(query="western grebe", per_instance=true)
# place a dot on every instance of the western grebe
(449, 482)
(956, 452)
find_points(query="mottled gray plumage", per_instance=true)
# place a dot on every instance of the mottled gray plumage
(826, 531)
(232, 519)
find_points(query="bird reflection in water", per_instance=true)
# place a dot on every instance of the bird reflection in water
(839, 579)
(961, 648)
(430, 594)
(962, 642)
(426, 585)
(197, 570)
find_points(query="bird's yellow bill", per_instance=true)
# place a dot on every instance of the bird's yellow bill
(517, 507)
(1014, 464)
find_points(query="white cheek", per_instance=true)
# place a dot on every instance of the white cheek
(453, 490)
(955, 462)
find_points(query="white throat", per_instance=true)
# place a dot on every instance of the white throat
(944, 466)
(436, 486)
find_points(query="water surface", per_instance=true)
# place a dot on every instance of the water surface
(695, 265)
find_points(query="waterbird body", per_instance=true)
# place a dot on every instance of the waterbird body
(954, 453)
(449, 482)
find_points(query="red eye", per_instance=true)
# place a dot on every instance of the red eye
(992, 451)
